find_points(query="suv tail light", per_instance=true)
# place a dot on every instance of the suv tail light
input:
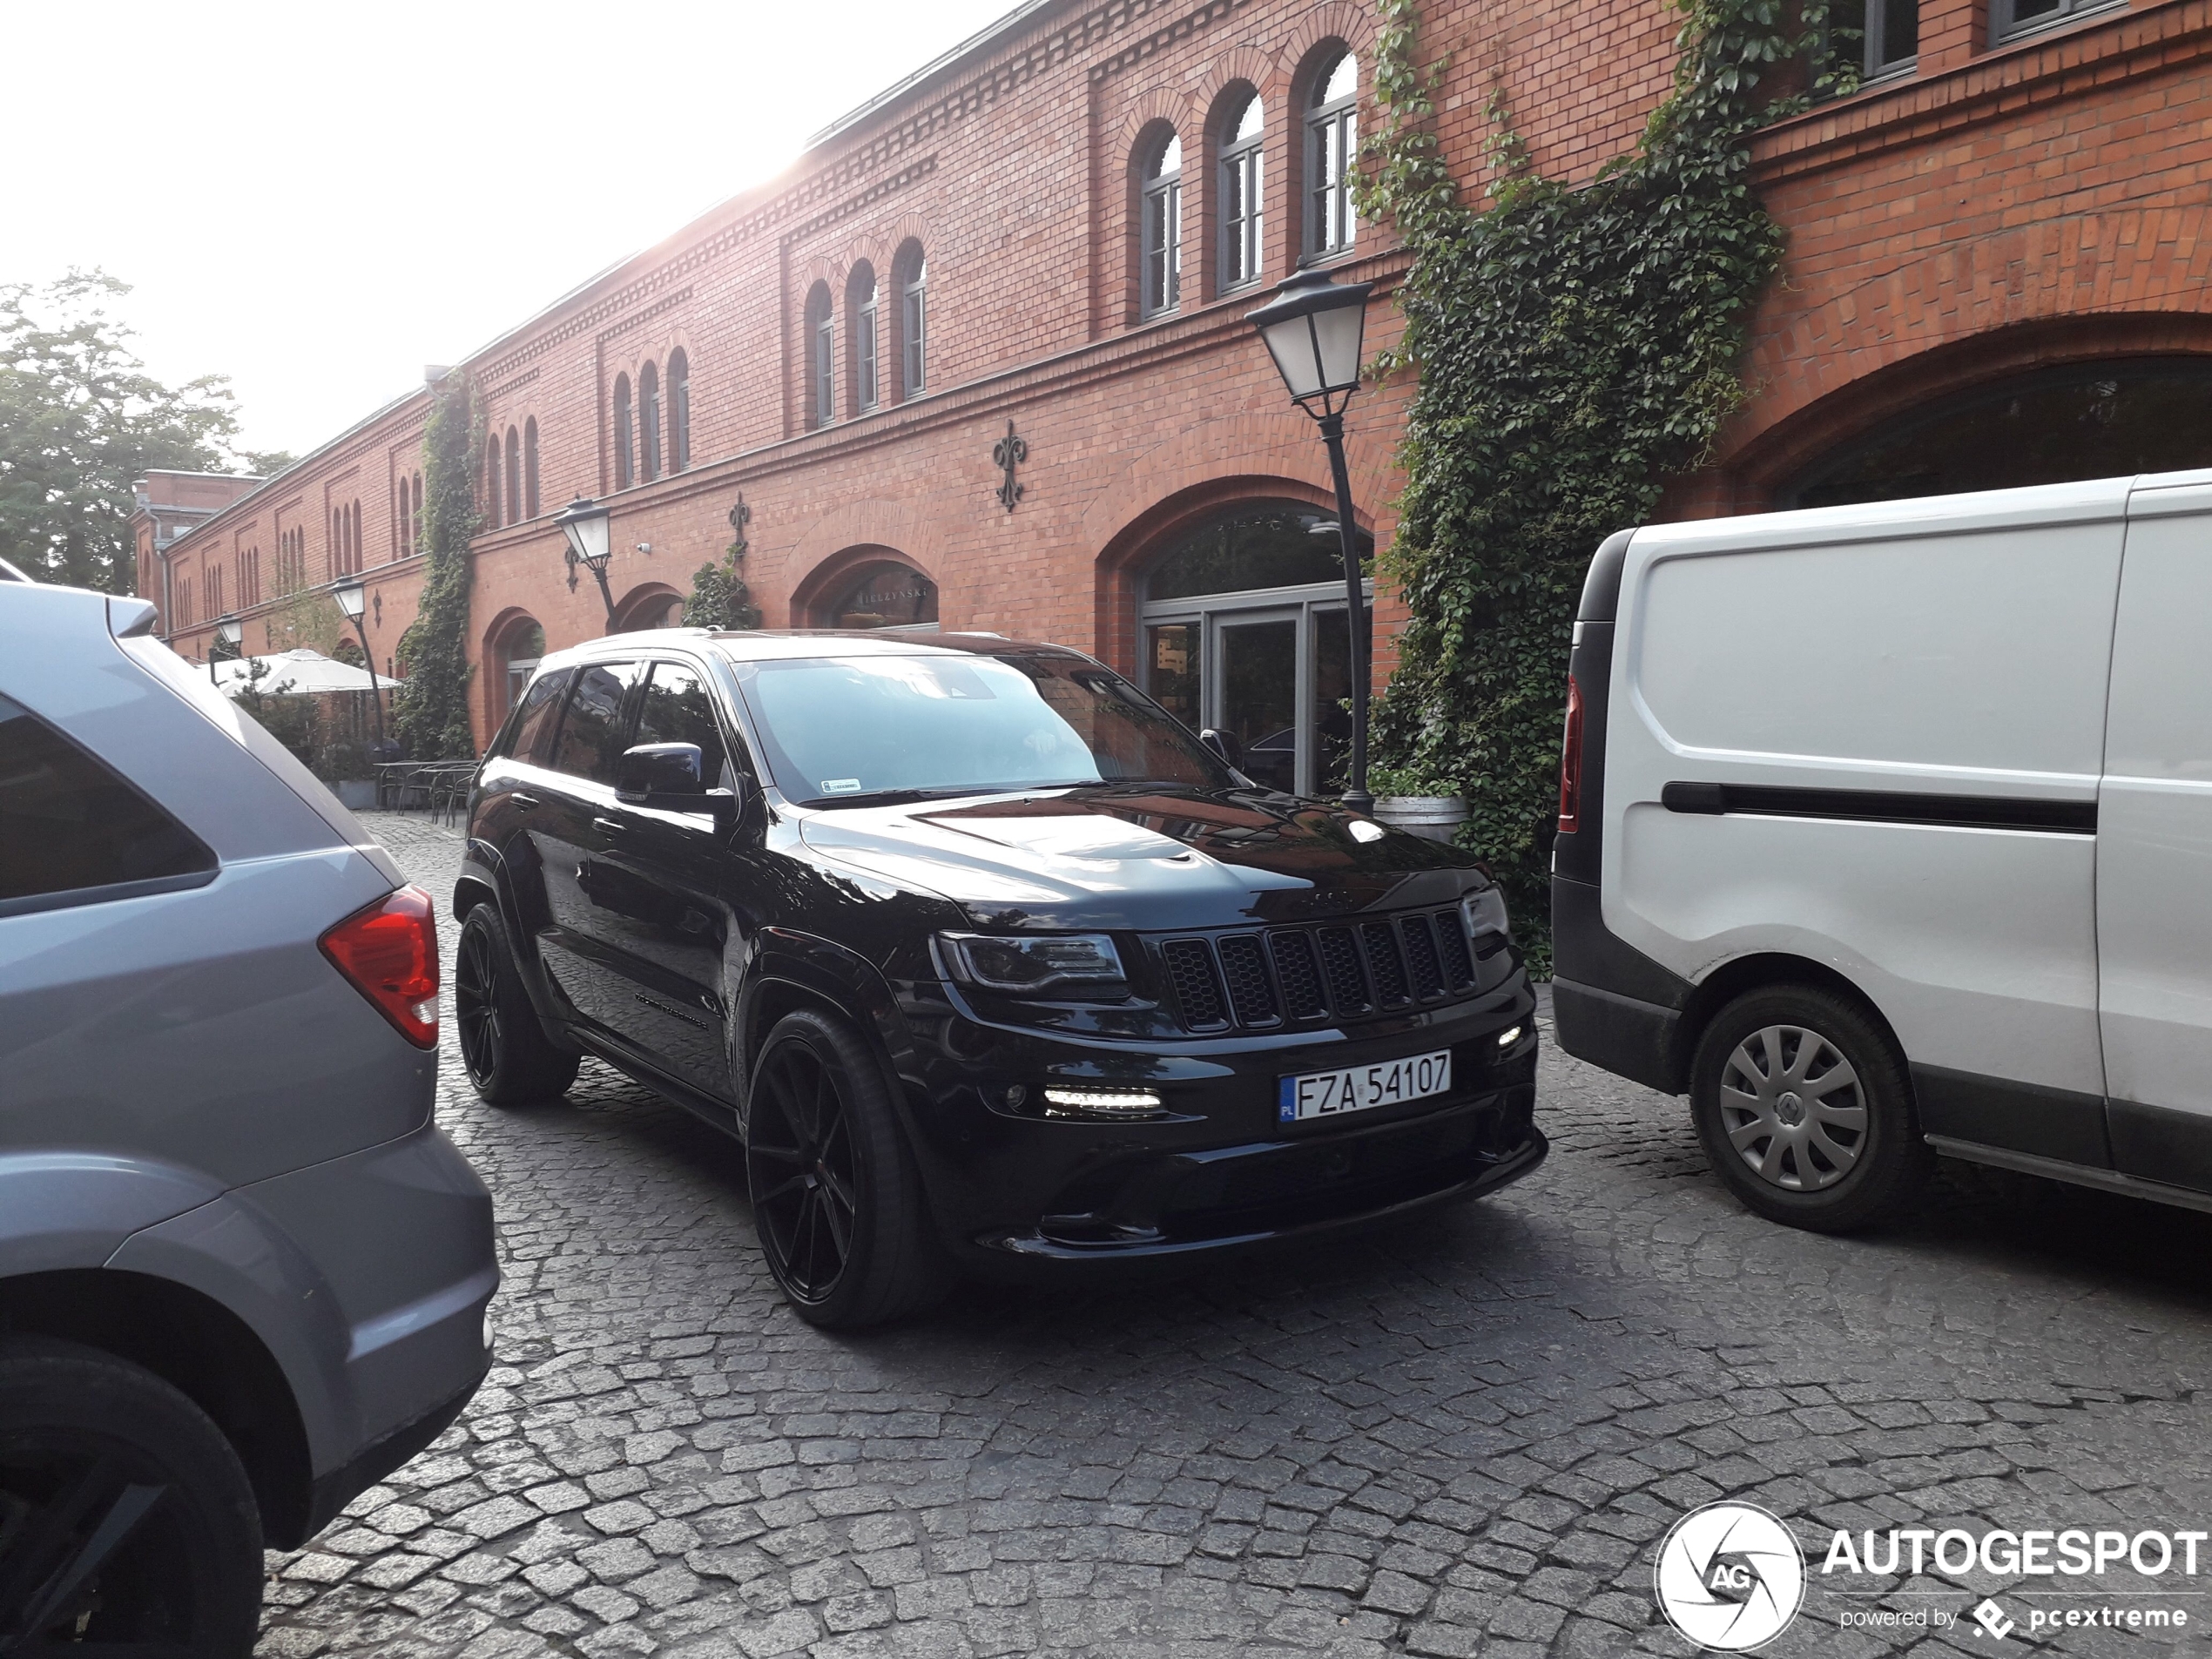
(389, 950)
(1570, 762)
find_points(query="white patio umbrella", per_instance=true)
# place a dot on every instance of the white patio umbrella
(298, 673)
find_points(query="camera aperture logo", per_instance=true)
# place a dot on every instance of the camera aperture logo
(1729, 1577)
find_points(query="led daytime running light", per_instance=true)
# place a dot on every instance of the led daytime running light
(1118, 1103)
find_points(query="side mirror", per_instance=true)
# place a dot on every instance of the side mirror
(670, 778)
(1227, 746)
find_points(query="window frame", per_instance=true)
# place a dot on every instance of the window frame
(648, 421)
(821, 358)
(530, 497)
(679, 410)
(867, 384)
(2004, 26)
(626, 444)
(1241, 177)
(1329, 129)
(1159, 280)
(514, 475)
(913, 331)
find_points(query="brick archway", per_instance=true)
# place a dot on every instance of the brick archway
(496, 651)
(643, 606)
(1762, 465)
(829, 579)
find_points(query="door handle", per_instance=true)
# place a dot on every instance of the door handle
(521, 800)
(608, 825)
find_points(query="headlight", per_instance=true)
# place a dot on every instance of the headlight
(1032, 963)
(1486, 914)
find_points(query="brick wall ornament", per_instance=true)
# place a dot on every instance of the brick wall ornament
(740, 516)
(1009, 452)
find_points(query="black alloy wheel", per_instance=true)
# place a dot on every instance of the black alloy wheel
(127, 1524)
(504, 1048)
(836, 1198)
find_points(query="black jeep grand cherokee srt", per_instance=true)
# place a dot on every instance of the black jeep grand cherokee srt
(986, 959)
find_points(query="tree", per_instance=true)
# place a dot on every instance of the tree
(80, 421)
(719, 599)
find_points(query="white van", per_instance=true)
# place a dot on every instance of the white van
(1886, 831)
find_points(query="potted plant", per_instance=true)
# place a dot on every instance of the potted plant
(1416, 801)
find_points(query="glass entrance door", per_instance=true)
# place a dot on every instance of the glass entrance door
(1256, 698)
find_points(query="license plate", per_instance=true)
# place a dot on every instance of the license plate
(1358, 1089)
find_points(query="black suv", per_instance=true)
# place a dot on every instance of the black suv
(985, 957)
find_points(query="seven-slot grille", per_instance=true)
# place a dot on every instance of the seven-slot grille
(1277, 975)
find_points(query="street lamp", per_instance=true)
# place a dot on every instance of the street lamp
(228, 631)
(351, 598)
(1312, 328)
(586, 525)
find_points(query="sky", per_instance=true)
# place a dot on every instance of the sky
(317, 200)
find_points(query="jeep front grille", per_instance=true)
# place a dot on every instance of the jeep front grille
(1256, 979)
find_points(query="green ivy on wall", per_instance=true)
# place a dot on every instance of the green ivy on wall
(1576, 347)
(431, 708)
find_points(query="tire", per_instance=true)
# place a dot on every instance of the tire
(836, 1198)
(510, 1059)
(126, 1516)
(1839, 1150)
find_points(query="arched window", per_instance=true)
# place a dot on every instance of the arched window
(520, 649)
(415, 518)
(649, 422)
(910, 273)
(529, 468)
(1332, 151)
(353, 540)
(2053, 426)
(679, 413)
(491, 485)
(859, 305)
(399, 512)
(1160, 216)
(625, 444)
(883, 594)
(1242, 256)
(514, 476)
(821, 358)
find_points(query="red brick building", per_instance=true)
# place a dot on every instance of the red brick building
(1997, 274)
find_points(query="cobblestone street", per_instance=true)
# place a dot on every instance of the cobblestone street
(1463, 1435)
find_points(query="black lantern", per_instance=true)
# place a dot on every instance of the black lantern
(228, 631)
(588, 526)
(1313, 328)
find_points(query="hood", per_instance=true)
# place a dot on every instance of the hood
(1142, 857)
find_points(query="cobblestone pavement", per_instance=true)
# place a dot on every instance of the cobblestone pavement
(1466, 1434)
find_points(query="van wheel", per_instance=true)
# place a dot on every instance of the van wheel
(509, 1057)
(836, 1198)
(1805, 1107)
(126, 1519)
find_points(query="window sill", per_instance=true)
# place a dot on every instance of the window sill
(2019, 32)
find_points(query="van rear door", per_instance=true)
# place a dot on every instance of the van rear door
(2154, 844)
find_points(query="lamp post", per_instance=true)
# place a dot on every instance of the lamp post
(1312, 328)
(228, 631)
(352, 597)
(586, 524)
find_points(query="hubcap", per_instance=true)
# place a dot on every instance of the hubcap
(476, 1011)
(90, 1548)
(799, 1163)
(1793, 1108)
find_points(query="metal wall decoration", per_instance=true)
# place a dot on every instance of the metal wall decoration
(1009, 453)
(740, 516)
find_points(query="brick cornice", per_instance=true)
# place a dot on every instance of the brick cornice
(2031, 74)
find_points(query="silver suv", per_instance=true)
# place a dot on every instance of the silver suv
(242, 1274)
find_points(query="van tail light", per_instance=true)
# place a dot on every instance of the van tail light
(389, 950)
(1570, 762)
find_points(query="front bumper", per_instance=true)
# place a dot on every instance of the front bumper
(1215, 1169)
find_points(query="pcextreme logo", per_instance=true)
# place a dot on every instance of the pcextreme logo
(1729, 1577)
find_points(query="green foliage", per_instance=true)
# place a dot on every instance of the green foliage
(80, 420)
(1408, 780)
(430, 710)
(719, 599)
(1577, 347)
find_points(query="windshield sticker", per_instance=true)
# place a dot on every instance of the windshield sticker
(840, 786)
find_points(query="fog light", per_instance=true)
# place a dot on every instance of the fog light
(1510, 1038)
(1100, 1102)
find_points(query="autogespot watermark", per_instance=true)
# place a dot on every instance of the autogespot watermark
(1732, 1577)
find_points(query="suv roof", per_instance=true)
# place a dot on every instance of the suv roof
(770, 644)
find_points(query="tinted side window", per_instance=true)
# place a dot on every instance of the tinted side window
(68, 823)
(591, 740)
(678, 708)
(539, 717)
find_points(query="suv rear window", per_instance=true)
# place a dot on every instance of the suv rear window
(536, 721)
(69, 825)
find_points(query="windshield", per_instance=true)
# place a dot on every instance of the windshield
(853, 729)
